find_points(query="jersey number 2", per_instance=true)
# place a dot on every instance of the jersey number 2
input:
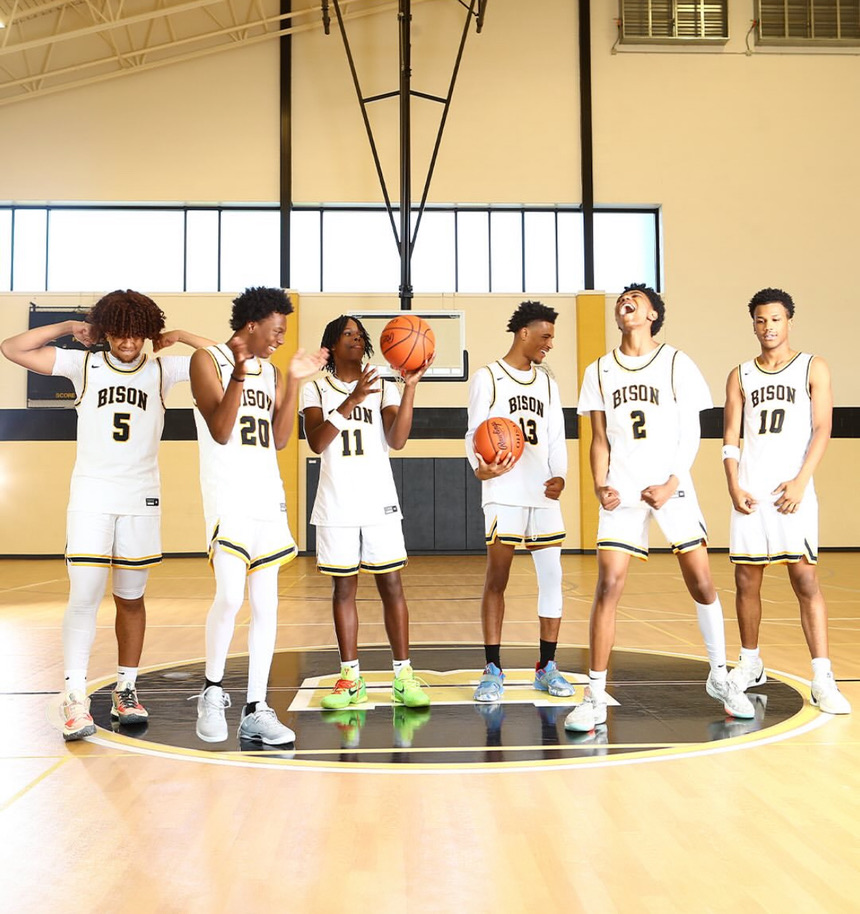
(638, 418)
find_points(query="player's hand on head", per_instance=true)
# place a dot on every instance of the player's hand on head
(163, 340)
(85, 334)
(304, 364)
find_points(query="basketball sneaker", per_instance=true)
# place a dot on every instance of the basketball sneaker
(406, 721)
(406, 690)
(211, 719)
(348, 690)
(125, 708)
(825, 696)
(77, 721)
(729, 692)
(491, 686)
(748, 674)
(587, 715)
(263, 725)
(549, 679)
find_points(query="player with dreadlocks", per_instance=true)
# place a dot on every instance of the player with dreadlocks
(114, 512)
(352, 419)
(521, 500)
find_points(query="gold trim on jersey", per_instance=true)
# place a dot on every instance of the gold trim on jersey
(781, 368)
(383, 567)
(619, 546)
(501, 364)
(650, 361)
(107, 561)
(339, 571)
(84, 385)
(118, 367)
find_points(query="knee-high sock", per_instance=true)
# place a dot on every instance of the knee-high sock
(263, 594)
(230, 574)
(549, 577)
(713, 632)
(86, 589)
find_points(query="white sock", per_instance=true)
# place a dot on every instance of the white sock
(350, 665)
(821, 667)
(597, 681)
(711, 626)
(126, 674)
(399, 664)
(76, 680)
(749, 654)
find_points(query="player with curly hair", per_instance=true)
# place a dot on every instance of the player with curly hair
(521, 500)
(114, 512)
(245, 410)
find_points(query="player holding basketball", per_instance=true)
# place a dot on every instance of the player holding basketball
(784, 400)
(644, 399)
(352, 419)
(245, 412)
(114, 512)
(520, 499)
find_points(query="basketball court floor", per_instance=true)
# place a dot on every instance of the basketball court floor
(670, 807)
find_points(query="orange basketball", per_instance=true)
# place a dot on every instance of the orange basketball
(498, 435)
(407, 342)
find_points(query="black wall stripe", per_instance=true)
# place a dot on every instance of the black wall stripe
(428, 423)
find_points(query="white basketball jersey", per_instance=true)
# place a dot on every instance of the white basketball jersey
(531, 399)
(356, 486)
(777, 424)
(242, 478)
(120, 419)
(643, 415)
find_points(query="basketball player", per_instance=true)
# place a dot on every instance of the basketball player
(520, 500)
(784, 400)
(245, 411)
(352, 419)
(114, 512)
(644, 399)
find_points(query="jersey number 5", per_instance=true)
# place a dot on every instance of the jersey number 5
(122, 425)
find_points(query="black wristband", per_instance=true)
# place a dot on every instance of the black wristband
(237, 380)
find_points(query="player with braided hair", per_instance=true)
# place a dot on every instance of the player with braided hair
(114, 512)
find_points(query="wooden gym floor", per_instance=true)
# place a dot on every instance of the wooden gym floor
(769, 825)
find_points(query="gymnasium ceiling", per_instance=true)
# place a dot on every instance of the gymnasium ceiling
(49, 46)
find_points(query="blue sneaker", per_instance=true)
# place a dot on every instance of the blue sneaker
(492, 684)
(549, 679)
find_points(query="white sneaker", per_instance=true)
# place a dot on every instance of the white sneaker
(827, 697)
(77, 721)
(589, 714)
(211, 720)
(263, 725)
(729, 692)
(748, 674)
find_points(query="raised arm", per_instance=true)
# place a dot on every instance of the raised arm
(302, 365)
(171, 337)
(31, 348)
(397, 420)
(218, 407)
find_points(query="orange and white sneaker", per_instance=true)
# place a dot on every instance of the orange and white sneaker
(125, 708)
(77, 722)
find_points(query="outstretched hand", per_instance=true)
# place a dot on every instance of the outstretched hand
(304, 364)
(366, 384)
(411, 378)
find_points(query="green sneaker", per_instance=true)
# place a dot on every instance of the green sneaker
(348, 690)
(406, 722)
(406, 690)
(349, 723)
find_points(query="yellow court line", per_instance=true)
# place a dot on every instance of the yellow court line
(36, 781)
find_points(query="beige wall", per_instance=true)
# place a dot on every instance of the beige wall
(752, 159)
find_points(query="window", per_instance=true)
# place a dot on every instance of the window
(808, 21)
(691, 21)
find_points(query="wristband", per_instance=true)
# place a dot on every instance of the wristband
(338, 420)
(237, 380)
(731, 451)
